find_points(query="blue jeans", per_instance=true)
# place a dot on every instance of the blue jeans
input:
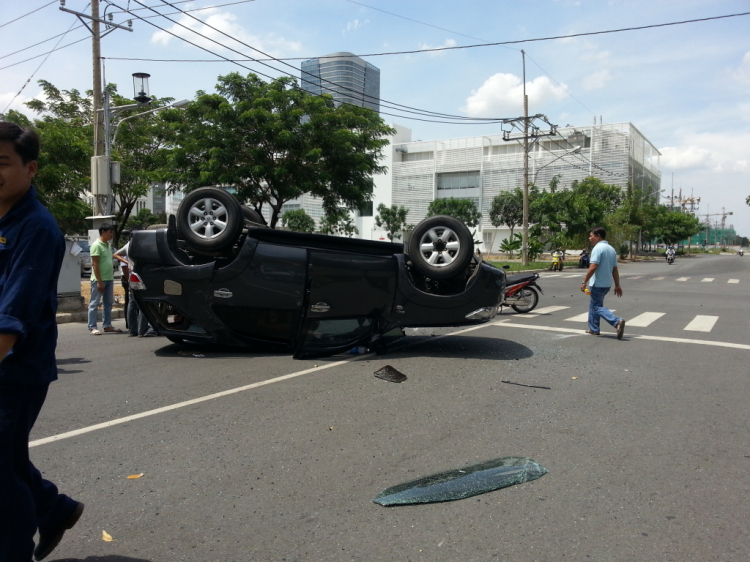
(29, 502)
(137, 321)
(597, 309)
(108, 298)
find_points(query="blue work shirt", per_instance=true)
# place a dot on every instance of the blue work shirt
(31, 253)
(605, 258)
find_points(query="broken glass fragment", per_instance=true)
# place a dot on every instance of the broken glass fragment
(390, 374)
(464, 482)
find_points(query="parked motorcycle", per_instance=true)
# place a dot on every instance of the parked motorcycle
(558, 258)
(584, 260)
(521, 292)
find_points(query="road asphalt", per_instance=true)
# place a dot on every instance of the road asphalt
(256, 456)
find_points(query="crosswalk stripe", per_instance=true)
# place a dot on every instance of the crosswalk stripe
(645, 319)
(707, 280)
(701, 323)
(637, 277)
(571, 275)
(552, 274)
(733, 281)
(682, 278)
(658, 279)
(582, 317)
(549, 309)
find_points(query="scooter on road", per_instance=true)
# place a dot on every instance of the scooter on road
(521, 292)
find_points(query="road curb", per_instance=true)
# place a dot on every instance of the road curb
(82, 316)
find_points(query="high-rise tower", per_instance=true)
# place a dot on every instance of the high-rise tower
(345, 76)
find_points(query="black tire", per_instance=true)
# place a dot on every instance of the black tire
(441, 247)
(209, 219)
(532, 299)
(253, 216)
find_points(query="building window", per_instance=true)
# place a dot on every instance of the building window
(458, 180)
(366, 210)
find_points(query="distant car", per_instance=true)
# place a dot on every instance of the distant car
(309, 294)
(85, 258)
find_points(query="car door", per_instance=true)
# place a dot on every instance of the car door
(348, 297)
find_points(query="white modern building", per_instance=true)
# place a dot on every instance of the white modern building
(345, 76)
(479, 168)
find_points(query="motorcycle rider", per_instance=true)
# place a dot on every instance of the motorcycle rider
(670, 254)
(558, 257)
(584, 259)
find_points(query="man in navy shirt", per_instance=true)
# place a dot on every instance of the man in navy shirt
(31, 252)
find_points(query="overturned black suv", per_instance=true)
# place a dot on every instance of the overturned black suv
(217, 274)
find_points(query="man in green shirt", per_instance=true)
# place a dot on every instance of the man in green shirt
(102, 281)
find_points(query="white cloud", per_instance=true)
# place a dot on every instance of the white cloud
(18, 103)
(446, 43)
(224, 22)
(502, 94)
(597, 80)
(354, 25)
(719, 153)
(742, 73)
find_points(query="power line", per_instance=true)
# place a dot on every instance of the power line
(47, 53)
(37, 70)
(182, 11)
(420, 112)
(40, 42)
(31, 12)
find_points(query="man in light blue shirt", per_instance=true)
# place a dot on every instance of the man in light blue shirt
(602, 273)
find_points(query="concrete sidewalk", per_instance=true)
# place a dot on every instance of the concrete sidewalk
(82, 315)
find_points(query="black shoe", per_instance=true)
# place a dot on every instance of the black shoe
(48, 541)
(620, 329)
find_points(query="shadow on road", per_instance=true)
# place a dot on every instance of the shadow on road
(460, 347)
(110, 558)
(70, 361)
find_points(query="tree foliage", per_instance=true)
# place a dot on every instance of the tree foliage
(392, 219)
(298, 221)
(274, 142)
(143, 219)
(338, 223)
(464, 210)
(673, 226)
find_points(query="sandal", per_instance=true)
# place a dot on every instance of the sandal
(113, 330)
(592, 333)
(95, 332)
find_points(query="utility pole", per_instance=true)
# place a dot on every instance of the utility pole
(100, 169)
(525, 239)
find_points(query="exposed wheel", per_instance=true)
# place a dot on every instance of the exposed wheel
(441, 247)
(253, 216)
(209, 219)
(530, 299)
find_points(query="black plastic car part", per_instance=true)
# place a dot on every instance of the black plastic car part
(441, 247)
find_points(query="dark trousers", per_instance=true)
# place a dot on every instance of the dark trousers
(27, 501)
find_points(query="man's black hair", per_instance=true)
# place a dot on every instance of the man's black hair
(105, 226)
(25, 141)
(600, 232)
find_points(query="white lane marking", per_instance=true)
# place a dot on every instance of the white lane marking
(682, 278)
(582, 317)
(549, 309)
(521, 316)
(707, 279)
(636, 277)
(701, 323)
(571, 275)
(552, 274)
(506, 323)
(733, 281)
(178, 405)
(657, 279)
(643, 320)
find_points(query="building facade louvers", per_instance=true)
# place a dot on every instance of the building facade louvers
(346, 77)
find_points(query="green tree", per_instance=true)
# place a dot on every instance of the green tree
(143, 219)
(510, 245)
(507, 209)
(464, 210)
(298, 221)
(338, 223)
(274, 142)
(675, 226)
(393, 219)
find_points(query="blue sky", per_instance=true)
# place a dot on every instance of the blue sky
(684, 87)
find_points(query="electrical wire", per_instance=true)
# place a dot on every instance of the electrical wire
(186, 11)
(47, 53)
(31, 12)
(417, 111)
(478, 39)
(37, 70)
(40, 42)
(389, 105)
